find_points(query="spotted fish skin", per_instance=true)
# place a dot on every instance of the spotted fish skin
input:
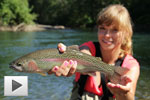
(41, 61)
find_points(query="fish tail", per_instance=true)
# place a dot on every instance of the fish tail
(118, 73)
(121, 70)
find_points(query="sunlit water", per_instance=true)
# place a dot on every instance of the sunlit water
(16, 44)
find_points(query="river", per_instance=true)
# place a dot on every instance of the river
(16, 44)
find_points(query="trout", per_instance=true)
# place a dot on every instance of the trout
(42, 61)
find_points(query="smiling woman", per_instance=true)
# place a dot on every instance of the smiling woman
(116, 20)
(109, 37)
(114, 46)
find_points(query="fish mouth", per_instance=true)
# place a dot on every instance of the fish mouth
(16, 68)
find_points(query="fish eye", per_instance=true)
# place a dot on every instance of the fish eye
(18, 64)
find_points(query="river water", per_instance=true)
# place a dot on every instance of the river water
(16, 44)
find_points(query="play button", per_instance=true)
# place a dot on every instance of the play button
(15, 85)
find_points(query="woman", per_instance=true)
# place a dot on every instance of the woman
(114, 46)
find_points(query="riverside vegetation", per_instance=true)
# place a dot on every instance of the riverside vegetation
(22, 15)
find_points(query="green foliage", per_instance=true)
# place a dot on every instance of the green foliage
(75, 13)
(51, 11)
(13, 12)
(72, 13)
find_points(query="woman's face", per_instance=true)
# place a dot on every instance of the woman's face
(109, 37)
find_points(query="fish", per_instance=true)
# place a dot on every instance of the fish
(42, 61)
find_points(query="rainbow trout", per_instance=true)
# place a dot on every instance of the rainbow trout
(41, 61)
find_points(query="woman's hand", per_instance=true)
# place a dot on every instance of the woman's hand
(122, 91)
(125, 90)
(68, 68)
(122, 87)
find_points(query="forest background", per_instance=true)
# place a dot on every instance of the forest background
(70, 13)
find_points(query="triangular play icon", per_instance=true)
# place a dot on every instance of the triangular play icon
(15, 85)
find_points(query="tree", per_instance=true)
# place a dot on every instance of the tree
(13, 12)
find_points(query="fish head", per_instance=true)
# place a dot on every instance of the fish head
(23, 65)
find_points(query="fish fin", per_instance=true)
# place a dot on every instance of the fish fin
(92, 74)
(99, 58)
(73, 47)
(43, 74)
(40, 72)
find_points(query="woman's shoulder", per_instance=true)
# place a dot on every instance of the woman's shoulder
(130, 61)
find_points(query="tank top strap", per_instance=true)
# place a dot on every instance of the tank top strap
(97, 47)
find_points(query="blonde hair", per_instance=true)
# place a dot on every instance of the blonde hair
(118, 16)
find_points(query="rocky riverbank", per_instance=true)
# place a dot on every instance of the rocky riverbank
(35, 27)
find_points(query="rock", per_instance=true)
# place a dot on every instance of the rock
(34, 27)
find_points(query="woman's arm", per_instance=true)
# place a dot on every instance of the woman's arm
(126, 89)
